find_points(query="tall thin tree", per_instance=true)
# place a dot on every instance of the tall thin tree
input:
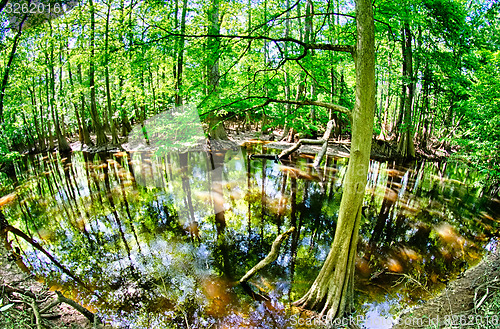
(332, 291)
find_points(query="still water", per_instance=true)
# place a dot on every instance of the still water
(159, 242)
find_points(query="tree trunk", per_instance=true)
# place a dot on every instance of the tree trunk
(77, 115)
(384, 131)
(61, 140)
(309, 37)
(406, 147)
(323, 141)
(332, 291)
(49, 128)
(5, 78)
(180, 56)
(215, 127)
(85, 130)
(101, 138)
(288, 112)
(114, 135)
(40, 105)
(40, 140)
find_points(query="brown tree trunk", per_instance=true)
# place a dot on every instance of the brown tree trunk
(406, 146)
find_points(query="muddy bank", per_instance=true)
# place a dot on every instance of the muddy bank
(23, 291)
(340, 147)
(381, 150)
(459, 301)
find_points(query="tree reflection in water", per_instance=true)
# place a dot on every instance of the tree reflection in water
(161, 241)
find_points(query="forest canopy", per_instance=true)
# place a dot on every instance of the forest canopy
(89, 70)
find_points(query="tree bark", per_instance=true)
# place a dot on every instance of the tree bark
(77, 115)
(47, 96)
(332, 291)
(5, 78)
(85, 130)
(288, 112)
(215, 125)
(114, 135)
(406, 146)
(40, 140)
(101, 138)
(271, 257)
(180, 56)
(61, 140)
(309, 39)
(384, 131)
(323, 141)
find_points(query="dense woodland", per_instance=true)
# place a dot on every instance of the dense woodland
(423, 76)
(95, 68)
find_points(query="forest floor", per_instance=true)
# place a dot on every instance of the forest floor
(340, 146)
(24, 291)
(337, 147)
(470, 301)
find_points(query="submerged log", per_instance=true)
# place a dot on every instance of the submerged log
(274, 157)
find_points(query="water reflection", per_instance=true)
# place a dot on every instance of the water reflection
(161, 241)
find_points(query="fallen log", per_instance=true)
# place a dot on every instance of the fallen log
(274, 157)
(271, 257)
(61, 299)
(323, 141)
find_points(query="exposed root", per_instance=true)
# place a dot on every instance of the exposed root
(487, 287)
(34, 302)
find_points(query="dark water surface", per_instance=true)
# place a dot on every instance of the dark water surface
(158, 242)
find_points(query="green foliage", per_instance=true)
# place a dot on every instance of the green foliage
(489, 310)
(7, 157)
(15, 319)
(455, 69)
(479, 137)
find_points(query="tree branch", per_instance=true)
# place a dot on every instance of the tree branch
(268, 101)
(4, 228)
(326, 46)
(331, 106)
(306, 46)
(326, 137)
(89, 315)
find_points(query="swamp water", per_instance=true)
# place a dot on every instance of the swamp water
(158, 242)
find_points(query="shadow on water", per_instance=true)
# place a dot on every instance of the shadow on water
(161, 241)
